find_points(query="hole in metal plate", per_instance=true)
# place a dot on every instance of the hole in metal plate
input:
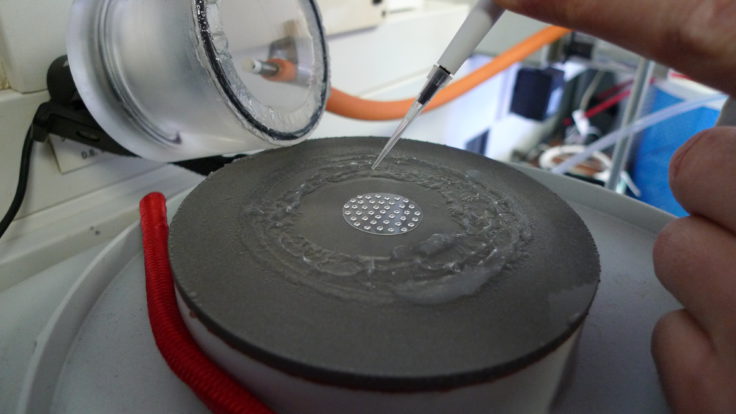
(382, 213)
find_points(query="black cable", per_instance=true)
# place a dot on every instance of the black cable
(20, 190)
(206, 166)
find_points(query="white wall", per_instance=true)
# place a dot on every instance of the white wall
(3, 79)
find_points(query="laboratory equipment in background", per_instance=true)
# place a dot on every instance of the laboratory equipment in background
(598, 105)
(537, 93)
(79, 197)
(653, 151)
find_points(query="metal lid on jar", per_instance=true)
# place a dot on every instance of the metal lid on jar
(437, 270)
(172, 81)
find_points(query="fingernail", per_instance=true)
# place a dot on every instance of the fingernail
(679, 157)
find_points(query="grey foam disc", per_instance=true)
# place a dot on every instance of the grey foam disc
(496, 272)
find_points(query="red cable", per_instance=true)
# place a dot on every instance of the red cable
(610, 101)
(220, 392)
(590, 113)
(678, 75)
(607, 104)
(603, 95)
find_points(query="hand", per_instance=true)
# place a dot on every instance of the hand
(696, 37)
(694, 257)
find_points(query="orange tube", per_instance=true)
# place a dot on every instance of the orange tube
(286, 73)
(350, 106)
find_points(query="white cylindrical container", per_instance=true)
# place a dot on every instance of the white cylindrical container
(170, 80)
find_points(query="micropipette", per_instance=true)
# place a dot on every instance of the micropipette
(482, 17)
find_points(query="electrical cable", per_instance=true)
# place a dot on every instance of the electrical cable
(20, 190)
(590, 113)
(611, 101)
(613, 90)
(607, 104)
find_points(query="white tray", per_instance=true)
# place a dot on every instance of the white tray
(97, 353)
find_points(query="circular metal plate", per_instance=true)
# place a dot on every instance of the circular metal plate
(382, 213)
(499, 273)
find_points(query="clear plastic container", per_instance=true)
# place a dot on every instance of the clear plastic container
(173, 80)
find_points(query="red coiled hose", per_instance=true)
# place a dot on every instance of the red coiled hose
(217, 389)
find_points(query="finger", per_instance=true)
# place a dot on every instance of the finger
(683, 355)
(703, 175)
(693, 36)
(696, 261)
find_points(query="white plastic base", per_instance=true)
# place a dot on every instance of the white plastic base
(530, 390)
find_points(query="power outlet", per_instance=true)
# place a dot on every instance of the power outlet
(71, 155)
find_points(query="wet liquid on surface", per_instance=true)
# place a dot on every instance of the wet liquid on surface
(440, 267)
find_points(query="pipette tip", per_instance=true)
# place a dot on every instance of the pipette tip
(415, 109)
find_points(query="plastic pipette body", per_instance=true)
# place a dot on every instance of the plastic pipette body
(482, 17)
